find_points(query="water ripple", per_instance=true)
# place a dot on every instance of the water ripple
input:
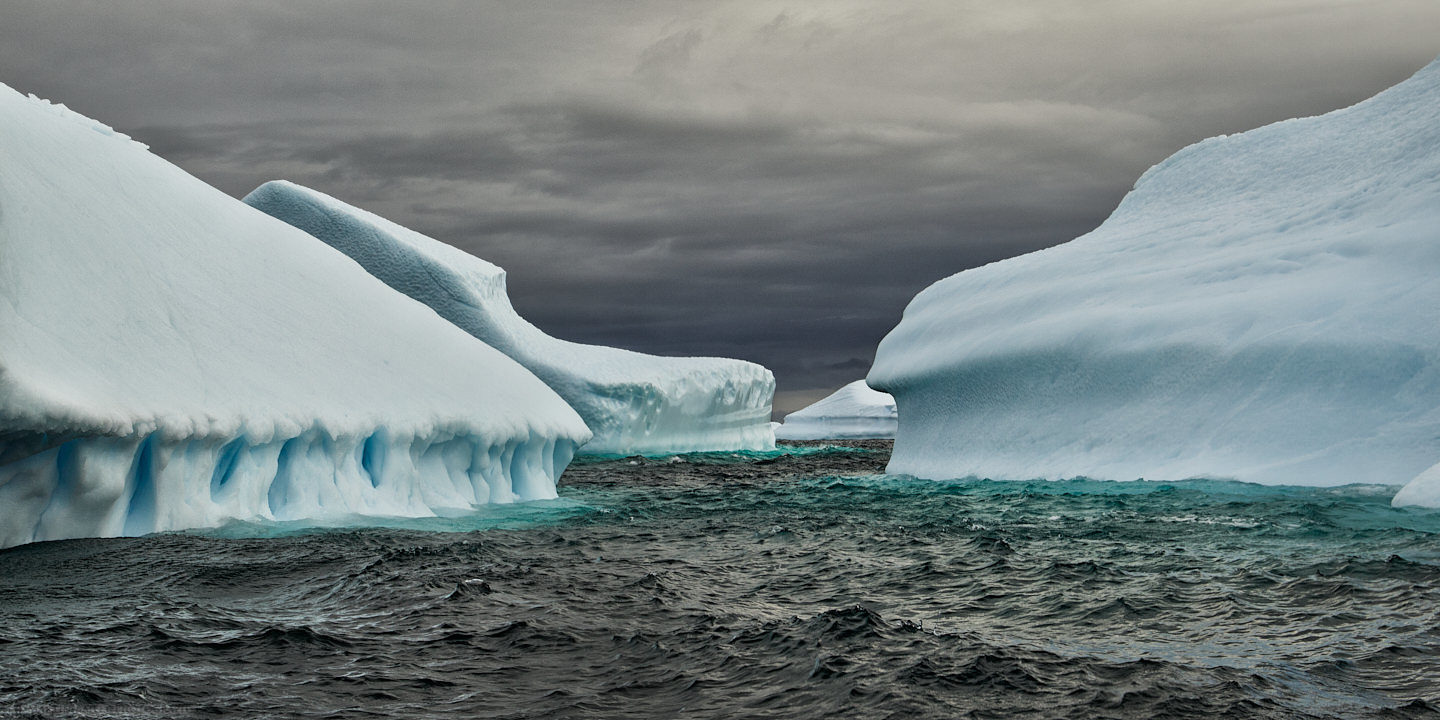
(799, 583)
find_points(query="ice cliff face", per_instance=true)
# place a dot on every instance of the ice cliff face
(633, 403)
(852, 412)
(172, 358)
(1264, 306)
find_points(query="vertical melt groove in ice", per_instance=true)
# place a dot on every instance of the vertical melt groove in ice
(852, 412)
(633, 403)
(1264, 306)
(172, 358)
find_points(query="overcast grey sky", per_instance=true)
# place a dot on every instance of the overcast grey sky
(771, 181)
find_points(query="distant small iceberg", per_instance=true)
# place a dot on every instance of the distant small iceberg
(632, 402)
(853, 412)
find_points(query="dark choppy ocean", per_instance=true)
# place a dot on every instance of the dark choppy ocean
(794, 584)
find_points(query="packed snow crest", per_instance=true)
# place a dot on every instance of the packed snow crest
(634, 403)
(172, 358)
(1264, 306)
(852, 412)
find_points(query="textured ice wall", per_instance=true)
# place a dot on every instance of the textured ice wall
(1264, 306)
(854, 411)
(634, 403)
(172, 358)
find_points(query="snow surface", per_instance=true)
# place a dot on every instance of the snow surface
(634, 403)
(852, 412)
(1264, 307)
(172, 358)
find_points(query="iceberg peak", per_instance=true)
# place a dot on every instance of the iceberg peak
(632, 402)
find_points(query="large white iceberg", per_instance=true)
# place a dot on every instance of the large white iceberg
(1264, 306)
(634, 403)
(852, 412)
(172, 358)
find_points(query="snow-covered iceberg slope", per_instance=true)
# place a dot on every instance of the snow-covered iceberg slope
(633, 403)
(1264, 306)
(172, 358)
(852, 412)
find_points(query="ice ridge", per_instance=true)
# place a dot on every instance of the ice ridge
(633, 403)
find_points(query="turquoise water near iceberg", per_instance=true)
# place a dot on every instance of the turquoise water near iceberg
(800, 583)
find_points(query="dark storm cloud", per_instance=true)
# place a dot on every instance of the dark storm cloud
(727, 178)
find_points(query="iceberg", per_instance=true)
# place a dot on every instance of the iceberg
(1263, 306)
(633, 403)
(853, 412)
(172, 358)
(1423, 491)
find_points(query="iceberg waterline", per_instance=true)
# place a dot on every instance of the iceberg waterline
(854, 411)
(108, 486)
(632, 402)
(1264, 307)
(172, 358)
